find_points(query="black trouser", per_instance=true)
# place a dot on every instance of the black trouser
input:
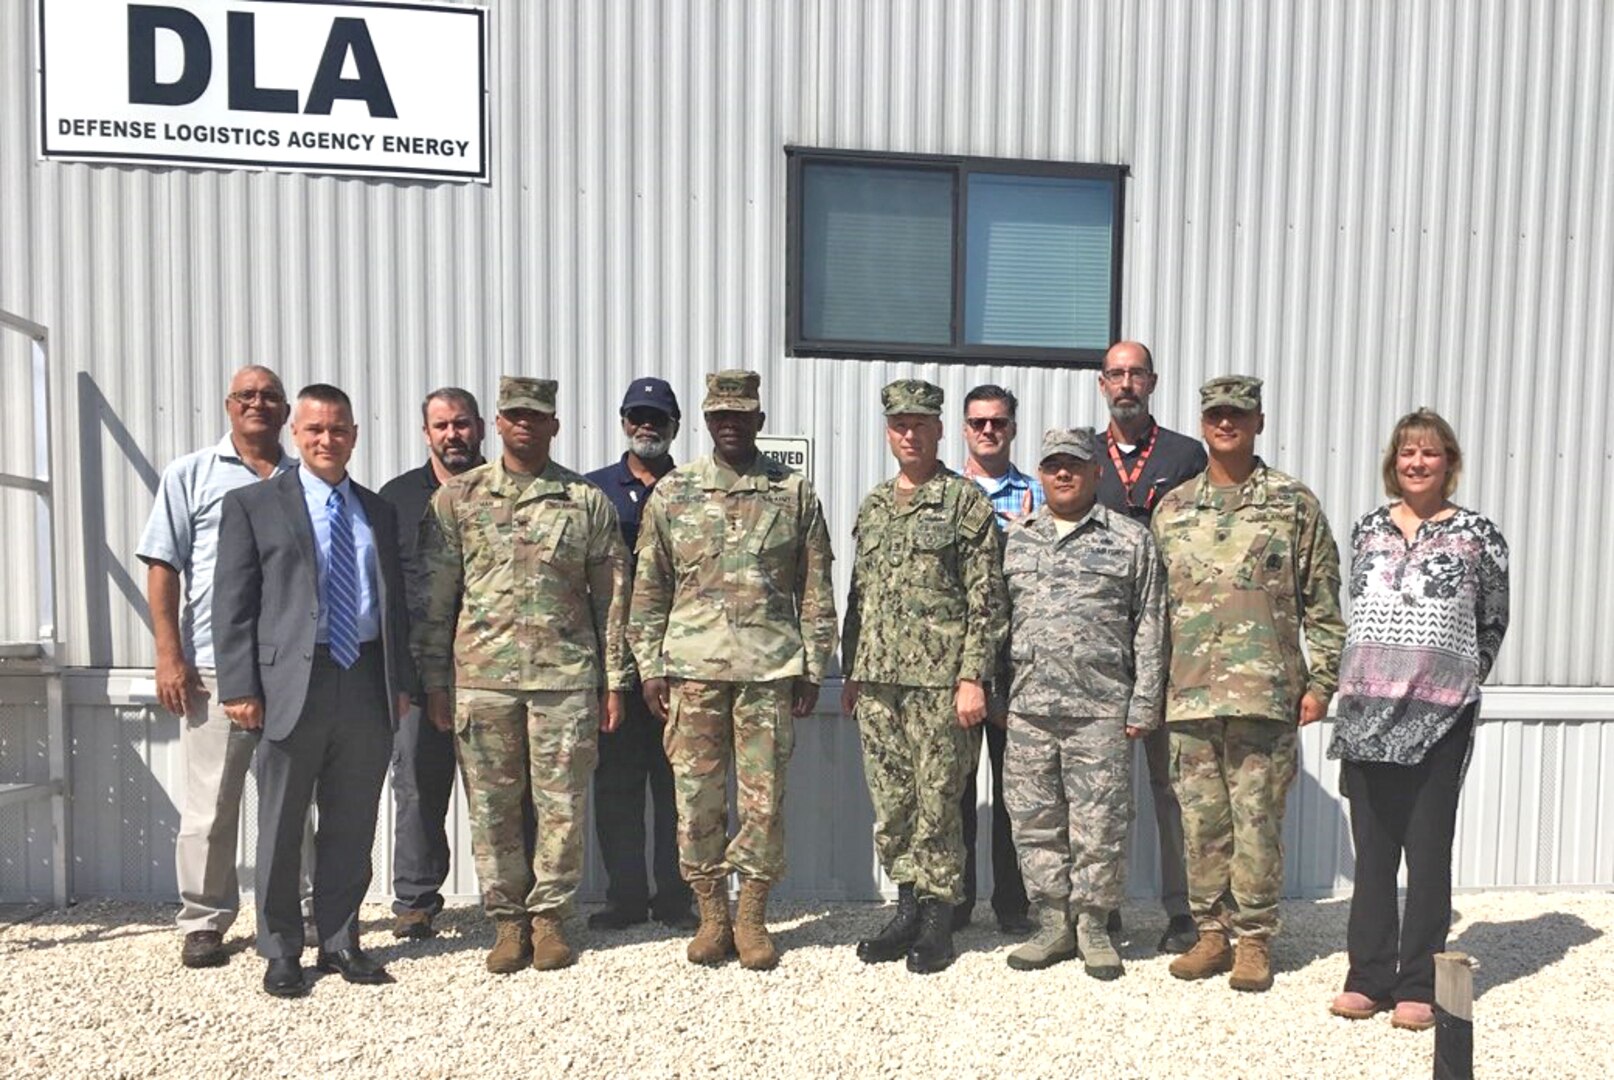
(1008, 888)
(631, 757)
(422, 785)
(1396, 810)
(336, 759)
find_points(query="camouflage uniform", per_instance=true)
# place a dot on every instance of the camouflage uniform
(1087, 650)
(732, 602)
(524, 617)
(1248, 570)
(927, 609)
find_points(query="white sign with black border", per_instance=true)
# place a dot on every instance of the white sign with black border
(795, 451)
(324, 86)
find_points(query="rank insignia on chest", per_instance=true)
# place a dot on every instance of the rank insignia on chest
(1274, 561)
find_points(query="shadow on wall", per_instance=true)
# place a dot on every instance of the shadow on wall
(107, 573)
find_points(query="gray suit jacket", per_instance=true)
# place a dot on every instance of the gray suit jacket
(266, 599)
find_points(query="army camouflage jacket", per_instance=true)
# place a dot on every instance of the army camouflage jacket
(1248, 570)
(733, 582)
(1087, 623)
(527, 587)
(928, 605)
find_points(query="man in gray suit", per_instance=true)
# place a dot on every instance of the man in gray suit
(309, 626)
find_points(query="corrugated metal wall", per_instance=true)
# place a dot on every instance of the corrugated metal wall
(1373, 206)
(1535, 811)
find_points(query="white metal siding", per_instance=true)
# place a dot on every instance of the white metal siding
(1373, 206)
(1534, 811)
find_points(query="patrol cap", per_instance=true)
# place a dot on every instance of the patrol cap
(650, 394)
(1077, 442)
(914, 396)
(522, 392)
(733, 391)
(1242, 392)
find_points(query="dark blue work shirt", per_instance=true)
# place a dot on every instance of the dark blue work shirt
(627, 494)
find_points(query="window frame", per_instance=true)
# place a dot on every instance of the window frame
(961, 167)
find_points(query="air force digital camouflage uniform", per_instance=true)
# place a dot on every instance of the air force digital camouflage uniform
(927, 610)
(732, 602)
(1249, 569)
(1087, 651)
(525, 613)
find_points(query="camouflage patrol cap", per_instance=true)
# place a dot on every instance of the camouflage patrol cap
(1242, 392)
(1077, 442)
(915, 396)
(522, 392)
(733, 391)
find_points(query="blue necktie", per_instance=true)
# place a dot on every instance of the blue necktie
(341, 585)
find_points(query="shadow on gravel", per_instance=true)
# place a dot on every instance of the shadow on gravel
(127, 924)
(459, 929)
(1508, 951)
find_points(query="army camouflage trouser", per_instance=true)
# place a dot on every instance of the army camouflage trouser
(510, 744)
(710, 725)
(1068, 787)
(917, 759)
(1232, 777)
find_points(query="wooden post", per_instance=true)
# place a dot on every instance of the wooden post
(1454, 1016)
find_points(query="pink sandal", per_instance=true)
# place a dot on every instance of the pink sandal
(1413, 1015)
(1354, 1006)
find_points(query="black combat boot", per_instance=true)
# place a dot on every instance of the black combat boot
(895, 938)
(933, 950)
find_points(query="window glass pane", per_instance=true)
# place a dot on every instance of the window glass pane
(877, 251)
(1038, 261)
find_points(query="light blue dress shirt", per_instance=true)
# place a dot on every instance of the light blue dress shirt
(316, 493)
(183, 531)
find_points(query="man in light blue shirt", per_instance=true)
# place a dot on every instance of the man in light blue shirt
(989, 430)
(179, 548)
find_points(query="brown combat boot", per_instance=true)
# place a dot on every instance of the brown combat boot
(1209, 956)
(1252, 965)
(751, 928)
(714, 941)
(511, 947)
(549, 948)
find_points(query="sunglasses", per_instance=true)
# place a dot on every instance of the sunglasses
(988, 423)
(646, 417)
(248, 397)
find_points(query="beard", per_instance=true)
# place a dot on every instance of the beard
(650, 447)
(456, 458)
(1127, 410)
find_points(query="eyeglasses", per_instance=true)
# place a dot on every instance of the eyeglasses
(1117, 376)
(986, 423)
(248, 397)
(646, 418)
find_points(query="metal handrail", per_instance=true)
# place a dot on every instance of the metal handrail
(46, 662)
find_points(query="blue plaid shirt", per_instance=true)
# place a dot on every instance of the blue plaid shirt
(1008, 493)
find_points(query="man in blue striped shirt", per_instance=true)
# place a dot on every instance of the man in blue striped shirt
(989, 430)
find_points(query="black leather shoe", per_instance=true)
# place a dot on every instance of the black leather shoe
(895, 937)
(676, 916)
(933, 949)
(962, 914)
(1180, 936)
(1015, 924)
(203, 949)
(284, 978)
(1112, 922)
(352, 965)
(611, 917)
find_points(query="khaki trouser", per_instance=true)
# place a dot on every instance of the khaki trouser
(217, 756)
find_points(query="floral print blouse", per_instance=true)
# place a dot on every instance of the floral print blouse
(1427, 618)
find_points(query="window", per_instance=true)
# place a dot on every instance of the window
(952, 258)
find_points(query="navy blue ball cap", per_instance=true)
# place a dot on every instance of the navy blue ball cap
(650, 393)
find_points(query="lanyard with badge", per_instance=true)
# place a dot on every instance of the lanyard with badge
(1130, 480)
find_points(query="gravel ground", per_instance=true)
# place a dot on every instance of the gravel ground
(97, 991)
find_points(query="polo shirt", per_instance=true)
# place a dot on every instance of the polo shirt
(183, 532)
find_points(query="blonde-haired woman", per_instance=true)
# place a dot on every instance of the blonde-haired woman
(1429, 591)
